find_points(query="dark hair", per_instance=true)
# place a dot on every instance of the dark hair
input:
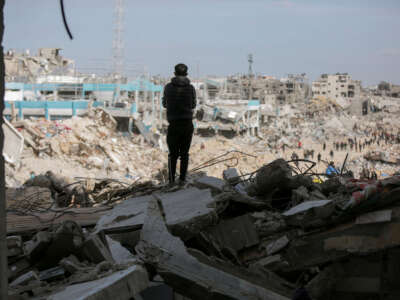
(181, 70)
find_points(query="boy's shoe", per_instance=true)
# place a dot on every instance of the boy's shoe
(181, 182)
(171, 184)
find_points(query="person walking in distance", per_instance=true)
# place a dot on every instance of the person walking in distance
(180, 100)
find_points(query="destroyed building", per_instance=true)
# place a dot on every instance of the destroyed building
(387, 89)
(334, 86)
(266, 89)
(24, 67)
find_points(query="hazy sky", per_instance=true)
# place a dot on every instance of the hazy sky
(360, 37)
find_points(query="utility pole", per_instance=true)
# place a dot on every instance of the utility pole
(118, 41)
(118, 44)
(250, 60)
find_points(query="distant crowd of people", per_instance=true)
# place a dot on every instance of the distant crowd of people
(376, 137)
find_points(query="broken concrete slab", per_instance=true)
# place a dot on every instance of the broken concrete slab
(123, 284)
(213, 183)
(95, 250)
(126, 216)
(13, 143)
(52, 274)
(310, 213)
(277, 245)
(302, 207)
(119, 253)
(342, 241)
(180, 269)
(375, 217)
(188, 211)
(236, 233)
(271, 262)
(25, 279)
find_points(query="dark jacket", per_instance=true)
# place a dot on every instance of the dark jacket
(179, 99)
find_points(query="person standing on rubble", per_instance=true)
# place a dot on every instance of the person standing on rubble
(180, 100)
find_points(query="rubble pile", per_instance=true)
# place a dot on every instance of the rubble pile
(272, 234)
(65, 255)
(89, 146)
(50, 191)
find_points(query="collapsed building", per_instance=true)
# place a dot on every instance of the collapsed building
(336, 85)
(387, 89)
(24, 66)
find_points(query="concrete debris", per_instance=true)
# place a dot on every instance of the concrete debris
(95, 250)
(277, 245)
(271, 177)
(13, 143)
(177, 266)
(275, 233)
(25, 279)
(35, 247)
(14, 245)
(215, 184)
(125, 284)
(231, 175)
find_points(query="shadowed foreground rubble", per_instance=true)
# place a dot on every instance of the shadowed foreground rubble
(280, 232)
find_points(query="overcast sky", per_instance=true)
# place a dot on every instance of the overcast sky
(360, 37)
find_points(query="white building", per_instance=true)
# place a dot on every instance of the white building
(334, 86)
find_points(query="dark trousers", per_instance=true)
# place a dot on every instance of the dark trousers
(179, 138)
